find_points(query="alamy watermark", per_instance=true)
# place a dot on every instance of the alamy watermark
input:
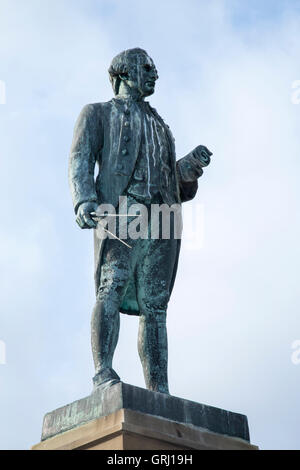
(143, 221)
(295, 96)
(2, 92)
(137, 220)
(2, 352)
(193, 226)
(295, 357)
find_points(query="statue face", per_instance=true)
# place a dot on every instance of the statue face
(142, 74)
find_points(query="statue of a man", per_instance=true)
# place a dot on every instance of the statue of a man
(135, 153)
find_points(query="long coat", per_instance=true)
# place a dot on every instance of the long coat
(109, 134)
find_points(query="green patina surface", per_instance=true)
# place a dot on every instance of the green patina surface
(135, 153)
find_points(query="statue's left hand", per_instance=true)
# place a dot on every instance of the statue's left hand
(191, 166)
(202, 154)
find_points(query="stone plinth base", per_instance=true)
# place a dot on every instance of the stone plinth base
(124, 417)
(131, 430)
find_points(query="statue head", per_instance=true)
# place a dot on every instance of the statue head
(133, 71)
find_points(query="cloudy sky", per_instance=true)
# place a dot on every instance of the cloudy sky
(226, 70)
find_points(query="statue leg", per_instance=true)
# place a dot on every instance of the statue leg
(105, 326)
(105, 323)
(153, 350)
(154, 275)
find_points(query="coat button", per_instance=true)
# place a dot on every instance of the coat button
(126, 124)
(124, 152)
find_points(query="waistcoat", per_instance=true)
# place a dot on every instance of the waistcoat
(152, 167)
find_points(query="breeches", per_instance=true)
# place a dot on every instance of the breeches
(148, 265)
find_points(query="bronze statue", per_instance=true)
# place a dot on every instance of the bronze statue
(135, 153)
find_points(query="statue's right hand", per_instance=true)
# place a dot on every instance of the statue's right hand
(83, 217)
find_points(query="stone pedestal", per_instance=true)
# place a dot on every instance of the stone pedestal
(124, 417)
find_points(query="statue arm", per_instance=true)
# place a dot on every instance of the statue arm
(189, 169)
(82, 160)
(188, 190)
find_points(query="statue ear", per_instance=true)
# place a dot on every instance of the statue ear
(123, 76)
